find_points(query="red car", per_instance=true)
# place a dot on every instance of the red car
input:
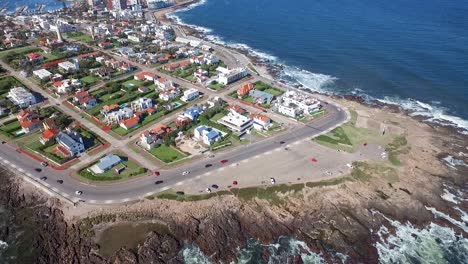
(156, 173)
(234, 183)
(224, 161)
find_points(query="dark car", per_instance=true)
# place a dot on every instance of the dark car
(214, 186)
(282, 142)
(158, 182)
(60, 181)
(180, 193)
(156, 173)
(208, 165)
(3, 142)
(38, 169)
(43, 178)
(45, 164)
(234, 183)
(224, 161)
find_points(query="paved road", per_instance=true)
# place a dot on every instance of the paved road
(141, 187)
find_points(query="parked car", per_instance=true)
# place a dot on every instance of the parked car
(43, 178)
(45, 164)
(185, 172)
(234, 183)
(208, 165)
(272, 180)
(224, 161)
(3, 142)
(282, 142)
(158, 182)
(214, 186)
(60, 181)
(208, 190)
(78, 192)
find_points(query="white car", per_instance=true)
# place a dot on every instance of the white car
(272, 180)
(78, 192)
(185, 172)
(208, 190)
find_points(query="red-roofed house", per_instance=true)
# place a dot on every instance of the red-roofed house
(88, 102)
(145, 76)
(260, 121)
(237, 109)
(164, 84)
(30, 125)
(130, 123)
(105, 45)
(245, 89)
(171, 66)
(47, 135)
(182, 120)
(153, 137)
(35, 57)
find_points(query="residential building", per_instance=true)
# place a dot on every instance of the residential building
(117, 116)
(67, 85)
(141, 104)
(261, 97)
(29, 121)
(164, 84)
(105, 164)
(193, 112)
(182, 120)
(88, 102)
(71, 143)
(289, 109)
(150, 138)
(109, 108)
(42, 74)
(293, 103)
(130, 122)
(260, 122)
(35, 57)
(245, 89)
(145, 76)
(68, 66)
(21, 97)
(169, 95)
(237, 123)
(190, 95)
(48, 135)
(230, 76)
(237, 109)
(207, 135)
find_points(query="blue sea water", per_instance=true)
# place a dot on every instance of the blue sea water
(11, 5)
(407, 52)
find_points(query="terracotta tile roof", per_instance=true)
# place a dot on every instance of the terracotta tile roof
(261, 117)
(81, 94)
(245, 89)
(49, 133)
(133, 121)
(110, 107)
(34, 56)
(29, 123)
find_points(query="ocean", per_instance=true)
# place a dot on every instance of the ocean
(404, 52)
(11, 5)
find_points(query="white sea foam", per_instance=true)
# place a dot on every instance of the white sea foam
(453, 221)
(3, 244)
(316, 82)
(193, 255)
(453, 162)
(450, 197)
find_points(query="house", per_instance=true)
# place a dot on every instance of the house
(109, 108)
(49, 123)
(130, 122)
(105, 164)
(143, 89)
(67, 85)
(31, 125)
(164, 84)
(71, 143)
(227, 76)
(245, 89)
(88, 102)
(182, 120)
(293, 104)
(117, 116)
(190, 95)
(193, 112)
(210, 58)
(80, 95)
(141, 104)
(56, 77)
(48, 135)
(207, 135)
(261, 97)
(237, 123)
(237, 109)
(35, 57)
(21, 97)
(42, 74)
(171, 66)
(68, 67)
(169, 95)
(150, 138)
(260, 122)
(144, 76)
(105, 45)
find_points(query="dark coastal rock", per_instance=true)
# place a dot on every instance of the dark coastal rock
(160, 249)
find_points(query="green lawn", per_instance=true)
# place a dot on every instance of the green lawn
(216, 86)
(348, 137)
(218, 116)
(90, 80)
(18, 51)
(79, 36)
(259, 85)
(167, 154)
(133, 83)
(132, 170)
(9, 128)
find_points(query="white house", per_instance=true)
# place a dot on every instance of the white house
(117, 116)
(190, 95)
(42, 74)
(289, 110)
(71, 143)
(164, 84)
(105, 164)
(293, 103)
(21, 97)
(141, 104)
(230, 76)
(260, 122)
(207, 135)
(169, 95)
(238, 123)
(68, 66)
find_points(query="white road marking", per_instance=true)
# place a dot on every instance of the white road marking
(277, 149)
(46, 184)
(233, 165)
(29, 174)
(245, 161)
(296, 143)
(126, 200)
(65, 194)
(256, 157)
(13, 165)
(149, 193)
(108, 201)
(165, 188)
(7, 161)
(55, 189)
(179, 183)
(221, 169)
(198, 177)
(20, 170)
(208, 173)
(92, 201)
(268, 153)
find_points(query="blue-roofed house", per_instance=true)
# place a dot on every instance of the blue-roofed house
(193, 112)
(261, 97)
(70, 143)
(207, 135)
(105, 164)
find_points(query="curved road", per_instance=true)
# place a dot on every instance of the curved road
(140, 187)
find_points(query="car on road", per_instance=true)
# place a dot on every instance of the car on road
(59, 181)
(272, 180)
(3, 142)
(208, 190)
(158, 182)
(234, 183)
(282, 142)
(185, 172)
(208, 165)
(78, 192)
(45, 164)
(224, 161)
(156, 173)
(214, 186)
(38, 169)
(43, 178)
(180, 193)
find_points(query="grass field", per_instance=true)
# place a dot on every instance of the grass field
(9, 128)
(79, 36)
(90, 80)
(22, 50)
(167, 154)
(217, 86)
(132, 170)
